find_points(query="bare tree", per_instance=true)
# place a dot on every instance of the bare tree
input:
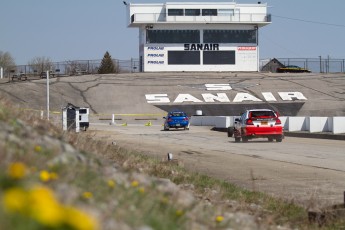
(41, 64)
(6, 61)
(76, 67)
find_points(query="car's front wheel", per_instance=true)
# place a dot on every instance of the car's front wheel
(244, 139)
(166, 127)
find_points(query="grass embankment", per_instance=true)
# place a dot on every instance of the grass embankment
(45, 183)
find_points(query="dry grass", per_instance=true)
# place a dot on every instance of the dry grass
(93, 185)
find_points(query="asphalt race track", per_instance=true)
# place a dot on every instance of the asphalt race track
(308, 171)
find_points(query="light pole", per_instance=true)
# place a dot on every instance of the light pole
(48, 95)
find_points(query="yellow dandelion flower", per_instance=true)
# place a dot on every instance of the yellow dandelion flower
(79, 220)
(15, 200)
(17, 170)
(165, 200)
(141, 190)
(134, 183)
(87, 195)
(179, 212)
(111, 183)
(38, 148)
(53, 176)
(45, 208)
(44, 176)
(219, 218)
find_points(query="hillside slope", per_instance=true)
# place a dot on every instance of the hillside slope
(213, 93)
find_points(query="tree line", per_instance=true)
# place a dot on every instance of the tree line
(41, 64)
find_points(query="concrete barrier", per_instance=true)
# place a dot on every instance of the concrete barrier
(338, 125)
(220, 121)
(204, 121)
(285, 122)
(334, 125)
(297, 124)
(317, 124)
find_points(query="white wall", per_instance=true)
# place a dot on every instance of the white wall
(335, 125)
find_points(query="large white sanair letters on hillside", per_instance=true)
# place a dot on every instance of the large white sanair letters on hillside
(157, 98)
(222, 97)
(290, 96)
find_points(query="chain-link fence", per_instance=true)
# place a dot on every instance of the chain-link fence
(315, 65)
(70, 68)
(82, 67)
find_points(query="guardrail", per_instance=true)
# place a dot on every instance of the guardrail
(333, 125)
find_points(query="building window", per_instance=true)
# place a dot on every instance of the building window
(175, 12)
(219, 57)
(230, 36)
(209, 12)
(225, 12)
(82, 111)
(173, 36)
(192, 12)
(183, 57)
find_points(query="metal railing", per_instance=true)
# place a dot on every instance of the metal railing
(221, 18)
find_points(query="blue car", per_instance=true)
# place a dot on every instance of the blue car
(176, 119)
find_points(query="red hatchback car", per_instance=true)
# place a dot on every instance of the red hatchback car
(257, 123)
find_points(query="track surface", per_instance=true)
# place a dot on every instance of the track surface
(308, 171)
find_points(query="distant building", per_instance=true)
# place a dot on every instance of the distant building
(198, 36)
(272, 66)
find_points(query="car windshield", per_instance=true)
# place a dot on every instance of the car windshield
(262, 114)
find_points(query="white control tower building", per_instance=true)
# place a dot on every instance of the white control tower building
(198, 36)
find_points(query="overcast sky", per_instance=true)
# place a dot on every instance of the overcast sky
(85, 29)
